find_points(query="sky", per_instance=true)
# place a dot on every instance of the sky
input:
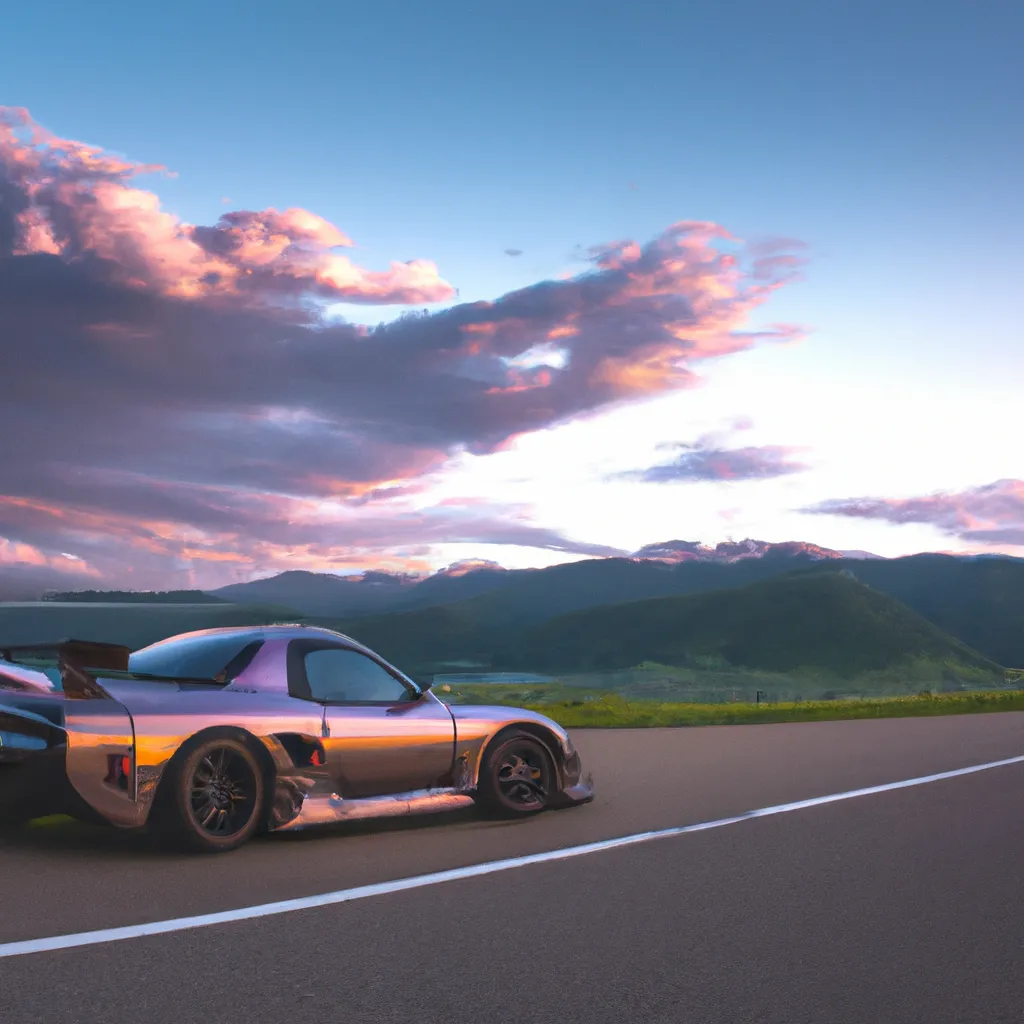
(392, 286)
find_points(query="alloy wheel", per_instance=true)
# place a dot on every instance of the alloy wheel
(223, 792)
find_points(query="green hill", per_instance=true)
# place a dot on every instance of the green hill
(470, 629)
(426, 640)
(979, 601)
(826, 622)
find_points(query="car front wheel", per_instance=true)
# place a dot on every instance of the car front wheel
(517, 777)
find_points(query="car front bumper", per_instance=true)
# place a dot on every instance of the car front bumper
(581, 792)
(576, 788)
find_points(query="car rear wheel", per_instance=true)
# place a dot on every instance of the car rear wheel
(517, 777)
(212, 799)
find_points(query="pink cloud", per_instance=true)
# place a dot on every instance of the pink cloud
(14, 553)
(170, 392)
(990, 514)
(226, 537)
(73, 199)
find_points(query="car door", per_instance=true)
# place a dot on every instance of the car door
(380, 736)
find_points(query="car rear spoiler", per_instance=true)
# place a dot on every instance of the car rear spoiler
(80, 663)
(88, 653)
(74, 659)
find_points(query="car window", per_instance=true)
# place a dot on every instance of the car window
(337, 675)
(201, 657)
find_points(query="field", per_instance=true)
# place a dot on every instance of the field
(650, 681)
(610, 711)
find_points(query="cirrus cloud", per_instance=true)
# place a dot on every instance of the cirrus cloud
(989, 514)
(175, 390)
(710, 459)
(722, 464)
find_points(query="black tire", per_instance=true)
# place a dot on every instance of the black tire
(517, 777)
(211, 799)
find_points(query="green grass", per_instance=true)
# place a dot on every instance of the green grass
(52, 821)
(611, 711)
(669, 684)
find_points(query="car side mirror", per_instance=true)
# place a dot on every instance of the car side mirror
(425, 685)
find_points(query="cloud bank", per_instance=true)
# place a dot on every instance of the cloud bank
(990, 514)
(177, 404)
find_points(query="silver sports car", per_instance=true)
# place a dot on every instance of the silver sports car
(210, 737)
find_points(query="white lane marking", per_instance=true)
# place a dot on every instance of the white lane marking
(177, 924)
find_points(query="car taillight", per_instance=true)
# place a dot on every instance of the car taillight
(119, 770)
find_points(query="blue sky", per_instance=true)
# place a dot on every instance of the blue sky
(885, 136)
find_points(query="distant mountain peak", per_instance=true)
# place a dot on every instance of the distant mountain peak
(382, 577)
(329, 579)
(677, 551)
(297, 574)
(468, 565)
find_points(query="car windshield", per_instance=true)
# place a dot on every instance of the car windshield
(201, 657)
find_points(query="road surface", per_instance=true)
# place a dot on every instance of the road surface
(898, 906)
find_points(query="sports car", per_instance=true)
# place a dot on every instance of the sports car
(210, 737)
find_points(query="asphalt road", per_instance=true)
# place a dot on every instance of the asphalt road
(900, 906)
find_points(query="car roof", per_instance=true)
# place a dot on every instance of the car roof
(279, 630)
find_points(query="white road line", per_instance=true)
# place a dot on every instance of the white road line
(135, 931)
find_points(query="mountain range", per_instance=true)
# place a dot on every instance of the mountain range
(478, 611)
(375, 592)
(978, 600)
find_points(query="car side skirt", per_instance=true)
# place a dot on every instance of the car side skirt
(330, 808)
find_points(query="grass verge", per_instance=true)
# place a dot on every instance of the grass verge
(612, 711)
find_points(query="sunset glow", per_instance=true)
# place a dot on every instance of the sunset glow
(403, 347)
